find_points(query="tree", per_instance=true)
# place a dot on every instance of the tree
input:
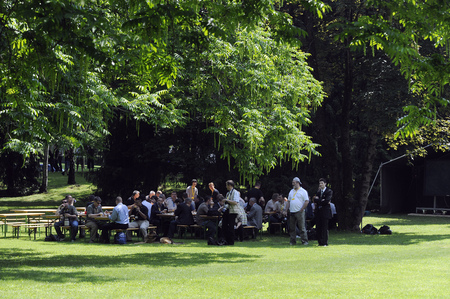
(365, 95)
(403, 29)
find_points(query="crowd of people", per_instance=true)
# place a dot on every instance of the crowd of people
(223, 217)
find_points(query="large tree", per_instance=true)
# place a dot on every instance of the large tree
(68, 66)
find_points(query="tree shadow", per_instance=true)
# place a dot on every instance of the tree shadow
(16, 263)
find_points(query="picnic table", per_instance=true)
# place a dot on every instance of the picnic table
(34, 211)
(18, 217)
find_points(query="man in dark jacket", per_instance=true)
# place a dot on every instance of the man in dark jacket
(322, 211)
(210, 226)
(184, 216)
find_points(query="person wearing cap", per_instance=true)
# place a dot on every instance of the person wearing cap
(297, 202)
(192, 190)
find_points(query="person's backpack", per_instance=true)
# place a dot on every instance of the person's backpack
(312, 235)
(369, 229)
(212, 241)
(51, 238)
(120, 238)
(385, 230)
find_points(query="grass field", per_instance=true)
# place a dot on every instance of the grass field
(413, 262)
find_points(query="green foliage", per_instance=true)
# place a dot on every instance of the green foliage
(256, 94)
(403, 29)
(71, 66)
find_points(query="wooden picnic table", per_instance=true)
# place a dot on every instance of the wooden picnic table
(34, 211)
(16, 216)
(108, 208)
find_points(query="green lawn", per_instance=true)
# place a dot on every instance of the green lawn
(411, 263)
(57, 189)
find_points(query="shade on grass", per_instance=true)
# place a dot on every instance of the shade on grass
(411, 263)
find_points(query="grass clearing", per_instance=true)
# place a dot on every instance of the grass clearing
(413, 262)
(57, 189)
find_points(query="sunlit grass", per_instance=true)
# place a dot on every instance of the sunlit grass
(410, 263)
(57, 189)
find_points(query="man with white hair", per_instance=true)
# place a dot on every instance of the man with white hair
(297, 202)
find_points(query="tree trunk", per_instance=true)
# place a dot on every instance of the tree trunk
(44, 184)
(71, 173)
(364, 185)
(346, 202)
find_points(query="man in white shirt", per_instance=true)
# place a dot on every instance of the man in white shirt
(229, 218)
(297, 202)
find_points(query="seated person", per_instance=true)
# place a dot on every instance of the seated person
(183, 216)
(271, 204)
(212, 191)
(218, 206)
(68, 216)
(281, 207)
(158, 208)
(140, 214)
(198, 200)
(131, 199)
(92, 211)
(184, 197)
(119, 219)
(254, 217)
(170, 202)
(147, 202)
(273, 207)
(150, 195)
(210, 226)
(241, 221)
(90, 200)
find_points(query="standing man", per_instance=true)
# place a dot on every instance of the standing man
(297, 202)
(94, 210)
(192, 190)
(119, 219)
(322, 211)
(229, 217)
(140, 213)
(256, 193)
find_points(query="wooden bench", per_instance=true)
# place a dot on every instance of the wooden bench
(423, 210)
(195, 228)
(31, 227)
(275, 226)
(182, 228)
(250, 229)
